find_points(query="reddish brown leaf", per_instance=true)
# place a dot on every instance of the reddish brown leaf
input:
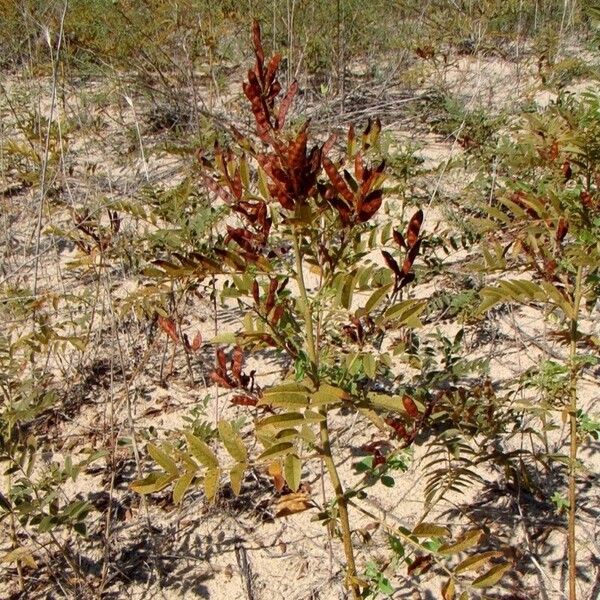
(274, 90)
(359, 329)
(277, 314)
(359, 167)
(370, 176)
(248, 209)
(221, 359)
(258, 49)
(328, 145)
(270, 302)
(410, 407)
(414, 226)
(550, 269)
(169, 327)
(263, 221)
(391, 263)
(369, 206)
(399, 429)
(267, 339)
(420, 565)
(285, 104)
(337, 181)
(410, 257)
(244, 400)
(553, 153)
(259, 108)
(256, 292)
(351, 135)
(244, 238)
(272, 69)
(562, 229)
(237, 362)
(342, 208)
(221, 380)
(350, 332)
(217, 189)
(314, 160)
(275, 471)
(196, 342)
(586, 199)
(297, 151)
(399, 239)
(567, 170)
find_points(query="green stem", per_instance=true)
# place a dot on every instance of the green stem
(342, 502)
(572, 553)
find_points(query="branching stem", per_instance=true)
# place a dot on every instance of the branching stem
(312, 351)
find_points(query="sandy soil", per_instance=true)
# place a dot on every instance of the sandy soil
(127, 385)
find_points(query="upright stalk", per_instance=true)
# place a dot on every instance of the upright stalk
(342, 502)
(13, 520)
(572, 554)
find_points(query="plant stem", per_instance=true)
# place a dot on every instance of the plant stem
(572, 554)
(310, 336)
(13, 523)
(351, 579)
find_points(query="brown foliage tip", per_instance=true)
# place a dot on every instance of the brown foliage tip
(169, 327)
(411, 243)
(229, 374)
(355, 197)
(263, 87)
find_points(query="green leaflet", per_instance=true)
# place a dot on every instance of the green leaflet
(404, 313)
(347, 290)
(232, 441)
(392, 403)
(466, 541)
(236, 474)
(276, 450)
(201, 451)
(449, 590)
(224, 338)
(291, 395)
(282, 421)
(328, 394)
(473, 563)
(211, 483)
(182, 485)
(154, 482)
(430, 530)
(517, 290)
(163, 459)
(287, 435)
(493, 576)
(374, 300)
(292, 470)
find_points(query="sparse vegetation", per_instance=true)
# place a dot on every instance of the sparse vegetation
(338, 323)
